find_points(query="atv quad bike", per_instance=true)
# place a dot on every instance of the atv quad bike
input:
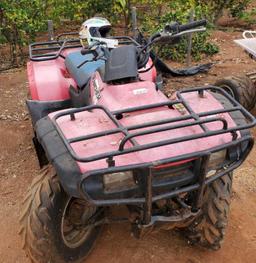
(107, 136)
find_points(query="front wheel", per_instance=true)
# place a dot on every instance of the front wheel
(208, 229)
(53, 224)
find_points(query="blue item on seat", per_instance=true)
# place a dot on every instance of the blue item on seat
(82, 75)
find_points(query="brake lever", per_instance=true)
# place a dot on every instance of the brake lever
(172, 28)
(89, 51)
(167, 36)
(86, 52)
(98, 54)
(189, 31)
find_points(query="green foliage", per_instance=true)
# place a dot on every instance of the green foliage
(77, 10)
(21, 20)
(249, 17)
(180, 11)
(200, 46)
(122, 3)
(2, 39)
(239, 11)
(237, 8)
(214, 8)
(18, 19)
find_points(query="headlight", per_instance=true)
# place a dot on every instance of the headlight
(216, 162)
(118, 181)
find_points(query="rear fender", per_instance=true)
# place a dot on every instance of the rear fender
(49, 80)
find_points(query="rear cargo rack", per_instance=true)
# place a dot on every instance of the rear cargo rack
(43, 51)
(192, 119)
(50, 50)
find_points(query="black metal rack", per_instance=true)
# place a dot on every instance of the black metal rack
(43, 51)
(50, 50)
(146, 192)
(192, 119)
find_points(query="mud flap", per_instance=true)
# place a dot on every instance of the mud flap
(163, 68)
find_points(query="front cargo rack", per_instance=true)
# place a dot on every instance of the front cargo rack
(191, 119)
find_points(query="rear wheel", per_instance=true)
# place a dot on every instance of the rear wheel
(241, 88)
(208, 229)
(53, 224)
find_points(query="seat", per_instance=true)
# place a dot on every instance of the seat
(82, 75)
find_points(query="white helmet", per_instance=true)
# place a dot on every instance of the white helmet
(95, 30)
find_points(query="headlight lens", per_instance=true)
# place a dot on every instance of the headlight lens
(216, 161)
(118, 181)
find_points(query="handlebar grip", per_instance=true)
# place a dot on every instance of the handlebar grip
(192, 25)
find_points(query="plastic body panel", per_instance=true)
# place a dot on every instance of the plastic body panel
(116, 97)
(50, 80)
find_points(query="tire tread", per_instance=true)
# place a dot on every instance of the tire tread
(244, 89)
(208, 229)
(35, 235)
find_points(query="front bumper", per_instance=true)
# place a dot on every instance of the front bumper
(150, 190)
(191, 176)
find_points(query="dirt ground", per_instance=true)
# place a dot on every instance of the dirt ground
(18, 166)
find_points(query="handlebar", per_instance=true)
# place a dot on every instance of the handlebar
(176, 28)
(192, 25)
(170, 34)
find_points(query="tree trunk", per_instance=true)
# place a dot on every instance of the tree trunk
(127, 16)
(220, 10)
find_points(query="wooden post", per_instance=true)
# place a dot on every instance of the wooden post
(191, 19)
(50, 30)
(134, 21)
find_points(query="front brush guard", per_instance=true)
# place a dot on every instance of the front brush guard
(77, 183)
(149, 198)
